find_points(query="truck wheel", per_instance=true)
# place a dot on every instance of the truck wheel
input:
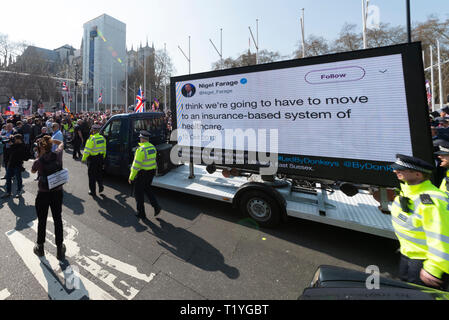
(261, 207)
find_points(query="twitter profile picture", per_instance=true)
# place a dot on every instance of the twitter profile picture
(188, 90)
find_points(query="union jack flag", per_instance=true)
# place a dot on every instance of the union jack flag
(13, 102)
(429, 93)
(64, 87)
(140, 102)
(100, 99)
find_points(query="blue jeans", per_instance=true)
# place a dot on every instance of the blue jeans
(13, 172)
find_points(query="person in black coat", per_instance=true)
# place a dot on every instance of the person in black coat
(17, 154)
(36, 129)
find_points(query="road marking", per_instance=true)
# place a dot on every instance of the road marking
(92, 263)
(4, 294)
(121, 266)
(48, 273)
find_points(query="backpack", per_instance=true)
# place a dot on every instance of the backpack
(49, 167)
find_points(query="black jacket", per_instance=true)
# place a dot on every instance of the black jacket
(16, 155)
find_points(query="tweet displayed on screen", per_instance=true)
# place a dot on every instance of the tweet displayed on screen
(343, 120)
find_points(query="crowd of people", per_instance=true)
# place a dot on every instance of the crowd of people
(43, 137)
(20, 134)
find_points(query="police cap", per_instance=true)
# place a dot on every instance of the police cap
(96, 127)
(144, 134)
(435, 114)
(411, 163)
(443, 147)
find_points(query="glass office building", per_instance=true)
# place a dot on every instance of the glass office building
(104, 58)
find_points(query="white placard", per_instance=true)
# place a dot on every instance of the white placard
(58, 179)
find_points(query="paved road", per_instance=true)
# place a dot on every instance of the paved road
(196, 249)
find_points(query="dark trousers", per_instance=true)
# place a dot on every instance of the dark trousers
(10, 173)
(44, 201)
(77, 149)
(409, 271)
(142, 186)
(95, 172)
(5, 157)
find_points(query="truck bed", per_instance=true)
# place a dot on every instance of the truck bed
(359, 213)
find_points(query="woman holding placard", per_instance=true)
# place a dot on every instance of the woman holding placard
(49, 163)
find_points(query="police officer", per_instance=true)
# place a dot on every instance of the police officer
(142, 173)
(443, 155)
(444, 112)
(420, 220)
(94, 154)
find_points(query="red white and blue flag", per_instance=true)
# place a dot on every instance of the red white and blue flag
(13, 102)
(429, 93)
(100, 99)
(64, 106)
(155, 105)
(140, 102)
(64, 87)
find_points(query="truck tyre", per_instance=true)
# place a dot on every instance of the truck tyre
(261, 207)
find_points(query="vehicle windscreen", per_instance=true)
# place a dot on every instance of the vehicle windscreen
(155, 126)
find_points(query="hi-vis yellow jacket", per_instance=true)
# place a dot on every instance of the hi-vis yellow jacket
(443, 186)
(95, 145)
(145, 159)
(421, 224)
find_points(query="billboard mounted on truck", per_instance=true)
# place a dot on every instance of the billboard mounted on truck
(341, 117)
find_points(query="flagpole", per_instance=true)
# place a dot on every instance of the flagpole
(126, 87)
(144, 76)
(431, 77)
(440, 76)
(165, 82)
(111, 88)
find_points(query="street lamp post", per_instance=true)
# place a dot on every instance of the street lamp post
(76, 88)
(409, 23)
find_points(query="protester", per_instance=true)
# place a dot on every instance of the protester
(77, 141)
(16, 155)
(49, 162)
(57, 134)
(6, 134)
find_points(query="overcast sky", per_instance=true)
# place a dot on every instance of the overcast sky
(53, 23)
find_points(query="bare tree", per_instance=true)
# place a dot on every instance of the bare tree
(159, 70)
(9, 50)
(248, 59)
(315, 46)
(349, 39)
(385, 36)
